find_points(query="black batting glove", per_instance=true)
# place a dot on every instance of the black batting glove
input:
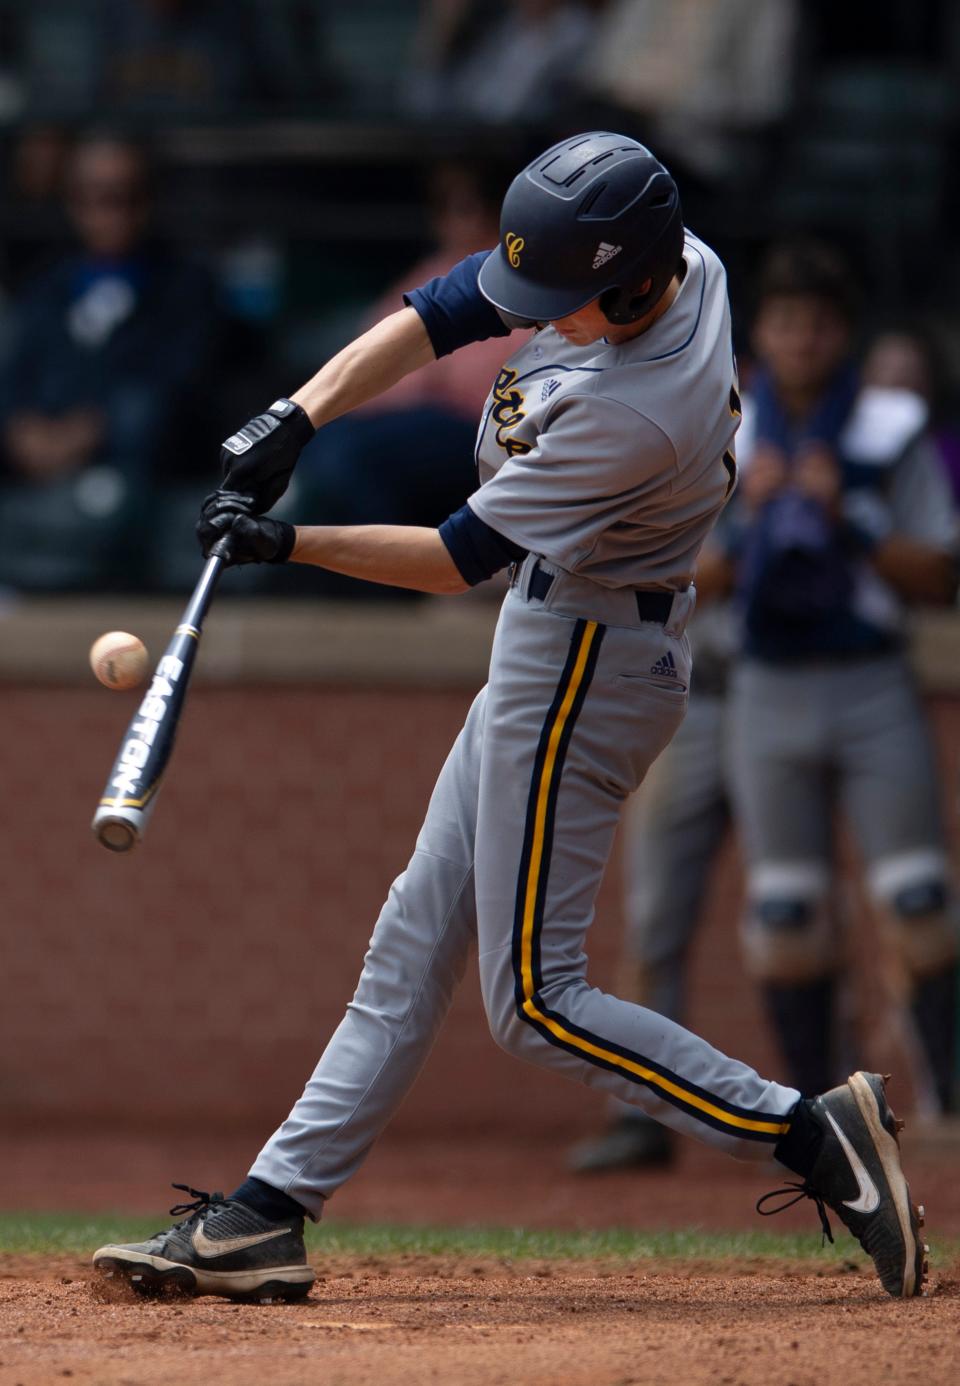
(259, 459)
(227, 527)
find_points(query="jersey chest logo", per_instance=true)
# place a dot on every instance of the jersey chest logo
(507, 413)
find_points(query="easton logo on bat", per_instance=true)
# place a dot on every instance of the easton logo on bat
(143, 733)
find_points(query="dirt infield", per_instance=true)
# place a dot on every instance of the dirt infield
(408, 1320)
(470, 1319)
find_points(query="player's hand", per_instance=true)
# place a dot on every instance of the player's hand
(764, 477)
(240, 536)
(816, 474)
(258, 460)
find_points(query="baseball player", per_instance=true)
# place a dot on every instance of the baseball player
(605, 453)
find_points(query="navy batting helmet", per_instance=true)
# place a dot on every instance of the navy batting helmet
(595, 216)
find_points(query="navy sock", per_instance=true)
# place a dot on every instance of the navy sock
(799, 1148)
(935, 1015)
(267, 1201)
(802, 1014)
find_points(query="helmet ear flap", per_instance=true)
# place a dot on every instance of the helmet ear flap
(624, 306)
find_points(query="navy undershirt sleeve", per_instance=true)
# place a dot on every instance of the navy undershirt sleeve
(454, 311)
(477, 549)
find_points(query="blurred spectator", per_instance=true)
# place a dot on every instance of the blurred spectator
(701, 73)
(179, 55)
(910, 358)
(518, 65)
(426, 424)
(40, 232)
(846, 518)
(39, 160)
(108, 349)
(168, 57)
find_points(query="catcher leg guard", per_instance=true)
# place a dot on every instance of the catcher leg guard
(913, 892)
(788, 932)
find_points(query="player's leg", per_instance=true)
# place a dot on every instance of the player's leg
(574, 719)
(672, 828)
(415, 960)
(251, 1244)
(783, 791)
(892, 797)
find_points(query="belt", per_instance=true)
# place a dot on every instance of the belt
(651, 605)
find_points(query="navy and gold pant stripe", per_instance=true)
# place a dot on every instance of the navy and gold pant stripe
(528, 920)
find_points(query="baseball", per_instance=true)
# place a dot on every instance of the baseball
(118, 659)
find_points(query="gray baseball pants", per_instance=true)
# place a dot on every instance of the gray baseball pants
(515, 841)
(807, 736)
(673, 829)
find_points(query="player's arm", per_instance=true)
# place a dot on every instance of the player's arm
(396, 555)
(911, 537)
(438, 318)
(390, 350)
(715, 575)
(464, 551)
(918, 572)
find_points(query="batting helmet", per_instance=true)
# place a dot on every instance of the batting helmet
(596, 216)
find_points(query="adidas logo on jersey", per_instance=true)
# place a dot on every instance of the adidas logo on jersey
(605, 253)
(665, 666)
(547, 389)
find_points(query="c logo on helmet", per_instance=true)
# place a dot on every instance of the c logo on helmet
(514, 245)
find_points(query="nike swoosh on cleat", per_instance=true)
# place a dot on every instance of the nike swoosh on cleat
(206, 1247)
(868, 1199)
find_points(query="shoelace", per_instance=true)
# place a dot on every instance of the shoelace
(798, 1191)
(204, 1201)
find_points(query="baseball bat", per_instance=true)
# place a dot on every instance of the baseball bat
(131, 789)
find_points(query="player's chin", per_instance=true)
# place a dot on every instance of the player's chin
(577, 336)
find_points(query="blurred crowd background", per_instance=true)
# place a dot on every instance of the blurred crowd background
(202, 199)
(200, 202)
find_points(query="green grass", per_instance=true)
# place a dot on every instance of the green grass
(77, 1233)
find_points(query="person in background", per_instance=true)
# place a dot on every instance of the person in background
(107, 350)
(142, 59)
(846, 519)
(180, 56)
(520, 65)
(711, 81)
(909, 358)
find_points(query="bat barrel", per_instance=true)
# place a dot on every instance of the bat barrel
(130, 793)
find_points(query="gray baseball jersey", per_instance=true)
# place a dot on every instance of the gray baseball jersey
(613, 461)
(608, 464)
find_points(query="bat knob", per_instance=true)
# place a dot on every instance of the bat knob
(115, 833)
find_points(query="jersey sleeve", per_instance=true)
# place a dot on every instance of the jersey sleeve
(454, 311)
(593, 463)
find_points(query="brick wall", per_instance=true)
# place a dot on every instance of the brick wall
(199, 977)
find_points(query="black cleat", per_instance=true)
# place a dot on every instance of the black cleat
(221, 1248)
(628, 1143)
(857, 1173)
